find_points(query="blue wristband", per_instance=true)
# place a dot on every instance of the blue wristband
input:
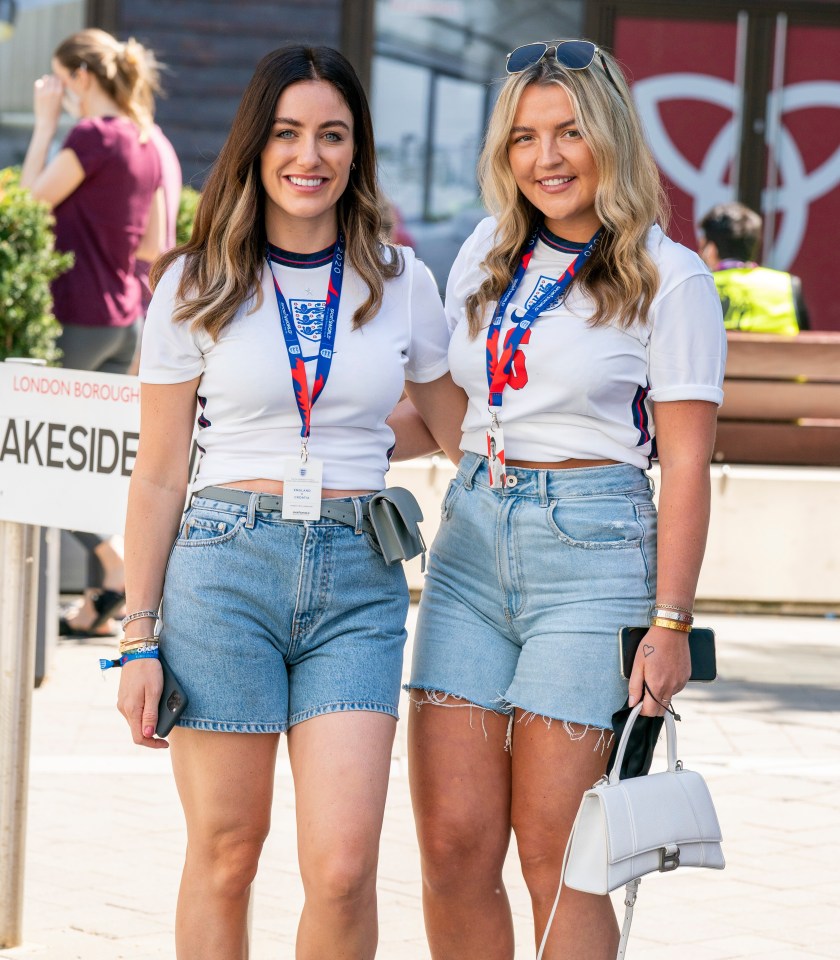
(136, 655)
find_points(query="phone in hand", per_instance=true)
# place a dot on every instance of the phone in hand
(172, 702)
(701, 646)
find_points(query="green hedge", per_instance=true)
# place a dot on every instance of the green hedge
(28, 263)
(186, 214)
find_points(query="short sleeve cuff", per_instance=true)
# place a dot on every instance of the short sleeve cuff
(429, 373)
(181, 375)
(687, 391)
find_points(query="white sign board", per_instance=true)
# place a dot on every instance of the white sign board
(68, 439)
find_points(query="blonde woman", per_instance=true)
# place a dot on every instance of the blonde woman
(104, 186)
(287, 330)
(587, 342)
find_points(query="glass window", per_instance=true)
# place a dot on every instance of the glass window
(38, 29)
(40, 25)
(433, 84)
(456, 138)
(400, 109)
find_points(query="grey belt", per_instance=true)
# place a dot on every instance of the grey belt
(341, 511)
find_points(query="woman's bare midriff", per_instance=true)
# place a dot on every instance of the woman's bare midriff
(275, 487)
(560, 464)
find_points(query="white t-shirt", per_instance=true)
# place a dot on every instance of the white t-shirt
(248, 420)
(584, 392)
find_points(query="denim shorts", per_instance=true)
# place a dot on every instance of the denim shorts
(528, 586)
(268, 622)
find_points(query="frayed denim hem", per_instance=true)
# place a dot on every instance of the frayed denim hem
(435, 697)
(439, 701)
(576, 729)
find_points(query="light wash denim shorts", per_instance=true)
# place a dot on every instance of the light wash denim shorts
(528, 586)
(268, 622)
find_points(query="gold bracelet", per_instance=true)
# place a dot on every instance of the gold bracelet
(670, 624)
(129, 643)
(673, 606)
(679, 615)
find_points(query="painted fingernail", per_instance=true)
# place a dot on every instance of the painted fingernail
(147, 732)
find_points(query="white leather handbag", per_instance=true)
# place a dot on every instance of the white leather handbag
(627, 828)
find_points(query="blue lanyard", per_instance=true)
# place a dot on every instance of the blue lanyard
(499, 371)
(325, 352)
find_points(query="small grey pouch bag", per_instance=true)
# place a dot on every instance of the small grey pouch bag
(395, 516)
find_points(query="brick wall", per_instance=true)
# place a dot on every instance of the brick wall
(211, 48)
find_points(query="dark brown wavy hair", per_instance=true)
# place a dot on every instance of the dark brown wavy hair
(226, 252)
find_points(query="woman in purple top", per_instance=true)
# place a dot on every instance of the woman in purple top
(104, 186)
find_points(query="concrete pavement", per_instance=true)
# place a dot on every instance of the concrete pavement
(105, 833)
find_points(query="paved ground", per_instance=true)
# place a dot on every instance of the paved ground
(105, 831)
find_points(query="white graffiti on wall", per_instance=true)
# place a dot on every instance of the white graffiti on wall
(707, 184)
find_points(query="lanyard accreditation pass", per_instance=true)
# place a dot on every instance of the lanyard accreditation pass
(500, 368)
(302, 479)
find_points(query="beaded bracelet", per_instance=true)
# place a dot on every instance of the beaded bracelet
(140, 648)
(140, 615)
(126, 657)
(679, 615)
(670, 624)
(130, 643)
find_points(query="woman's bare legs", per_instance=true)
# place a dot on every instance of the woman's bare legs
(551, 771)
(226, 782)
(460, 789)
(341, 762)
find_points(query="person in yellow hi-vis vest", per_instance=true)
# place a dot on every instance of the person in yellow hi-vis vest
(755, 299)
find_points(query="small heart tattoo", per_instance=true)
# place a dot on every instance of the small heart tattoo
(647, 649)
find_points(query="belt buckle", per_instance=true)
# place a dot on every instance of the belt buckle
(269, 502)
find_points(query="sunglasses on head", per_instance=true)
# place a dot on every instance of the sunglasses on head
(572, 54)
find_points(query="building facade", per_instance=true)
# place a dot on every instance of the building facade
(740, 98)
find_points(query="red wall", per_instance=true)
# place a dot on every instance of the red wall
(683, 74)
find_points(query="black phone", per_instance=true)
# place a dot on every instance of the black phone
(173, 700)
(701, 645)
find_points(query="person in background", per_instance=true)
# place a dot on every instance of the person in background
(171, 183)
(291, 329)
(104, 186)
(586, 341)
(393, 225)
(755, 299)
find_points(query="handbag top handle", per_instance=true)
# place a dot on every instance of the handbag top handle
(671, 731)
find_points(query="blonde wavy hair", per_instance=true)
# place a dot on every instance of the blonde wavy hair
(621, 277)
(225, 255)
(128, 72)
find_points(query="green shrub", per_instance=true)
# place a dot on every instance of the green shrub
(186, 214)
(28, 263)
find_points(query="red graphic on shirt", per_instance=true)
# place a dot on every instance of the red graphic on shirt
(518, 376)
(301, 388)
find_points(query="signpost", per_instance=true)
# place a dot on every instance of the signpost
(68, 439)
(18, 605)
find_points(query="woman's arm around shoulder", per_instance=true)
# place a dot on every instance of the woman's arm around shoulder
(430, 419)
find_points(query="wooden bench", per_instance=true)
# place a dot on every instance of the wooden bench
(781, 400)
